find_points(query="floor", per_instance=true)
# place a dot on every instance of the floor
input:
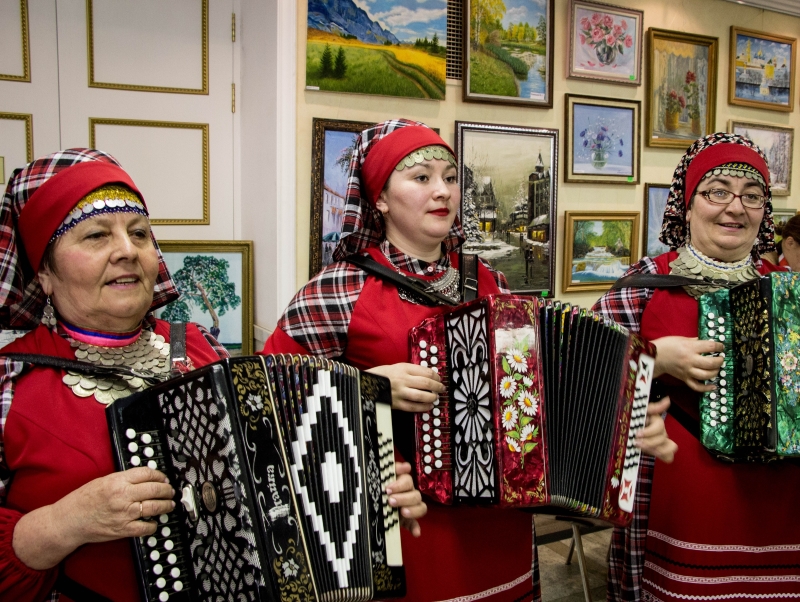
(562, 582)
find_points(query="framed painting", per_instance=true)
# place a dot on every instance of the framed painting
(332, 147)
(509, 181)
(384, 47)
(762, 70)
(777, 143)
(598, 248)
(215, 279)
(681, 87)
(780, 217)
(508, 52)
(655, 201)
(602, 139)
(605, 43)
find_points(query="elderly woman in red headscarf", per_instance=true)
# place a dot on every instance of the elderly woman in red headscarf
(401, 211)
(81, 269)
(704, 529)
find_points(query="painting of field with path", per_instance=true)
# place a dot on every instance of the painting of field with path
(384, 47)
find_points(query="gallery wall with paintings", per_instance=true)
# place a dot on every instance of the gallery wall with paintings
(568, 116)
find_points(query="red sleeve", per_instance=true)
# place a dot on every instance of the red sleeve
(280, 342)
(19, 582)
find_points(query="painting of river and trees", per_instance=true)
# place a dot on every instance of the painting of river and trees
(509, 180)
(599, 248)
(385, 47)
(509, 52)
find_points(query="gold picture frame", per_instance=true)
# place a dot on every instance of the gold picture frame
(206, 219)
(777, 143)
(26, 48)
(210, 258)
(753, 74)
(681, 83)
(28, 119)
(143, 88)
(595, 267)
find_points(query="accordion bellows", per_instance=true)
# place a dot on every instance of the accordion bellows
(544, 401)
(753, 414)
(281, 462)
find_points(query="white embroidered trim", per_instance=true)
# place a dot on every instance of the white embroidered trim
(719, 580)
(492, 591)
(648, 597)
(720, 548)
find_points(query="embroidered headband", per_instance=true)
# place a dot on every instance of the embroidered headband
(108, 199)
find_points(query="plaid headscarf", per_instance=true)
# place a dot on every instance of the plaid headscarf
(674, 229)
(363, 225)
(21, 296)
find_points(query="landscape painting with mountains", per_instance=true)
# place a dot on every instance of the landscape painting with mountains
(386, 47)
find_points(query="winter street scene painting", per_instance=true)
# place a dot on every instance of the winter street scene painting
(387, 47)
(507, 201)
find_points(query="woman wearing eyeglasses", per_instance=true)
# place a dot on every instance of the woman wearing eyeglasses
(704, 529)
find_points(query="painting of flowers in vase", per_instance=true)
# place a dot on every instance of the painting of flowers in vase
(603, 140)
(681, 88)
(605, 43)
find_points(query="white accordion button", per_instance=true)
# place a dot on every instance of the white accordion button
(721, 320)
(423, 344)
(712, 395)
(161, 583)
(712, 333)
(439, 464)
(148, 451)
(434, 349)
(152, 464)
(723, 382)
(424, 364)
(158, 569)
(713, 414)
(172, 559)
(721, 337)
(163, 518)
(426, 427)
(136, 460)
(130, 434)
(437, 422)
(426, 416)
(711, 315)
(423, 354)
(723, 391)
(163, 597)
(722, 354)
(724, 419)
(713, 423)
(436, 411)
(165, 532)
(428, 470)
(713, 405)
(434, 360)
(437, 453)
(437, 444)
(710, 324)
(147, 439)
(721, 329)
(723, 373)
(177, 586)
(168, 545)
(152, 541)
(427, 459)
(175, 572)
(154, 555)
(724, 410)
(435, 369)
(132, 447)
(426, 438)
(426, 449)
(437, 433)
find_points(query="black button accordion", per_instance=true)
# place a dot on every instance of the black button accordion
(281, 463)
(543, 403)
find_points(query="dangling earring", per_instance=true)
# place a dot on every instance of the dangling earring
(49, 314)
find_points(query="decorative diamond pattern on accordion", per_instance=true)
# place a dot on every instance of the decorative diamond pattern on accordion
(282, 461)
(753, 415)
(528, 380)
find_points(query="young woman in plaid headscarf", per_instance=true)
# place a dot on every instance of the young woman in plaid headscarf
(704, 529)
(401, 207)
(76, 248)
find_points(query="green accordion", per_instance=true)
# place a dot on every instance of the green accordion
(753, 414)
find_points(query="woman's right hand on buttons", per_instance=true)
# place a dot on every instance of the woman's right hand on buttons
(414, 388)
(687, 359)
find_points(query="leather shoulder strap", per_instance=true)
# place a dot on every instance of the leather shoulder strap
(666, 281)
(469, 276)
(76, 366)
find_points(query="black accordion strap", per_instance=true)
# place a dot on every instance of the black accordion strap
(685, 420)
(177, 346)
(666, 281)
(415, 286)
(75, 591)
(469, 276)
(76, 366)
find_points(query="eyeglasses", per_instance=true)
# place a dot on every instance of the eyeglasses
(720, 196)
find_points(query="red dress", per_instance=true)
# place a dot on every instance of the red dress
(464, 553)
(53, 443)
(716, 531)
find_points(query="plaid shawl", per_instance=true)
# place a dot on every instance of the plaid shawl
(674, 230)
(21, 296)
(363, 225)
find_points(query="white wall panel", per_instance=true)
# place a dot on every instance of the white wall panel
(166, 163)
(13, 144)
(13, 33)
(148, 43)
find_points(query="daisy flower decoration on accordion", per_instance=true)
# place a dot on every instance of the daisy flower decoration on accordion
(520, 392)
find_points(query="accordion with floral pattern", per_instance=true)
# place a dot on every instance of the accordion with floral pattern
(542, 407)
(281, 463)
(753, 414)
